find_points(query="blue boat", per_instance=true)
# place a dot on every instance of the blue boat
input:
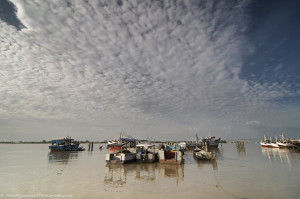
(65, 144)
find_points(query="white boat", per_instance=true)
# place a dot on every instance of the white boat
(146, 153)
(182, 145)
(283, 143)
(268, 143)
(118, 154)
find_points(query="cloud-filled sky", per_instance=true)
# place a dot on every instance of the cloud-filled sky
(157, 69)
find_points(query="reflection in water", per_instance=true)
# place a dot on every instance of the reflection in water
(119, 174)
(241, 151)
(241, 148)
(217, 151)
(171, 171)
(282, 155)
(116, 174)
(62, 157)
(145, 172)
(202, 163)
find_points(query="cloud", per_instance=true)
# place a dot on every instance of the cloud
(254, 123)
(131, 63)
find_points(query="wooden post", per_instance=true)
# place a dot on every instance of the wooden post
(92, 146)
(89, 146)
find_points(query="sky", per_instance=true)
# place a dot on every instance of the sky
(162, 70)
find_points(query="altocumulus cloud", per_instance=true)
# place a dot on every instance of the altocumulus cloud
(128, 64)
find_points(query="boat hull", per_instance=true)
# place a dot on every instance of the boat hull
(208, 156)
(176, 162)
(120, 158)
(146, 158)
(66, 148)
(211, 143)
(269, 145)
(118, 161)
(170, 157)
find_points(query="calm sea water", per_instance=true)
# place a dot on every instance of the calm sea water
(31, 171)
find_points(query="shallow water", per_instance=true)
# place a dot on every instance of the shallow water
(31, 171)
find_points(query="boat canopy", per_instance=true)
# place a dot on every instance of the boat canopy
(145, 145)
(169, 148)
(128, 139)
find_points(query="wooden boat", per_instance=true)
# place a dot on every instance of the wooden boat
(146, 153)
(65, 144)
(175, 171)
(170, 154)
(201, 154)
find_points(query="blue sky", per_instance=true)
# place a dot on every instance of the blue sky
(157, 69)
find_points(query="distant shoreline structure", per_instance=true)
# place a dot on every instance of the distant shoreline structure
(105, 141)
(41, 142)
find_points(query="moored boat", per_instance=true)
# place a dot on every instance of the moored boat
(65, 144)
(146, 153)
(183, 145)
(131, 142)
(201, 154)
(268, 143)
(170, 154)
(294, 143)
(212, 142)
(121, 151)
(118, 154)
(285, 143)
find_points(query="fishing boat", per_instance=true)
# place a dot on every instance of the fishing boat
(119, 154)
(146, 153)
(122, 140)
(170, 154)
(122, 151)
(294, 143)
(65, 144)
(212, 142)
(284, 143)
(201, 154)
(268, 143)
